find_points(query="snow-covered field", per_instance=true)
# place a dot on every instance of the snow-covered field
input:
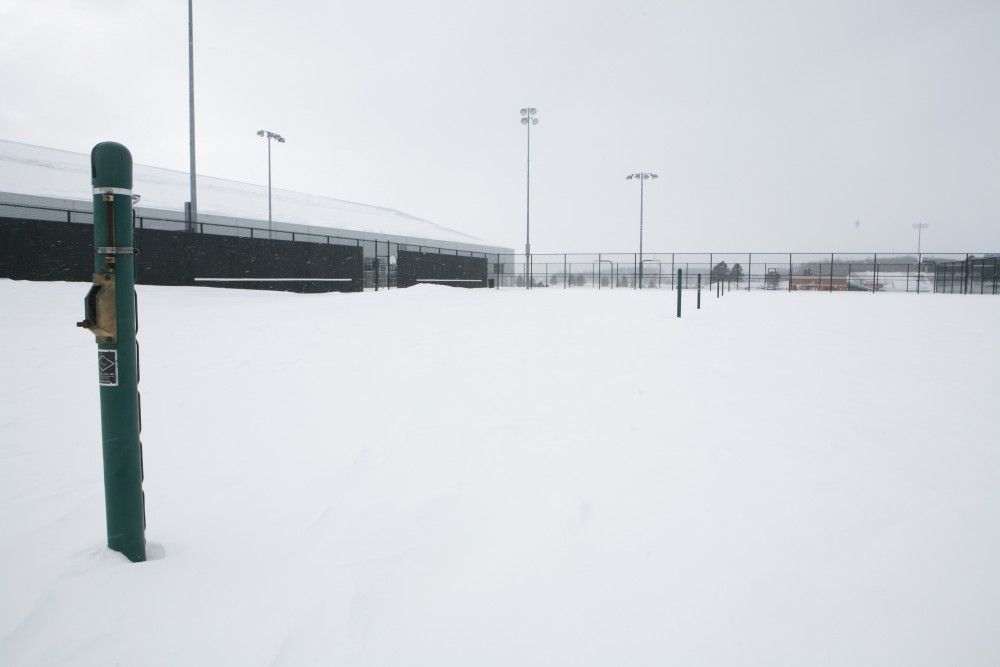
(444, 477)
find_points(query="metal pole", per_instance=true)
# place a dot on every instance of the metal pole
(527, 239)
(194, 184)
(528, 119)
(110, 314)
(642, 185)
(699, 292)
(680, 289)
(270, 227)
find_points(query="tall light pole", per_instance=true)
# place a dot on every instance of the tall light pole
(642, 178)
(193, 206)
(280, 139)
(528, 119)
(920, 227)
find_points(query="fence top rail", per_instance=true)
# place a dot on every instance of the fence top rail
(303, 235)
(807, 257)
(928, 256)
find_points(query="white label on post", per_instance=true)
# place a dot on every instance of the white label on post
(107, 368)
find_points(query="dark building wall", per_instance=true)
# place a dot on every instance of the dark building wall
(413, 268)
(39, 250)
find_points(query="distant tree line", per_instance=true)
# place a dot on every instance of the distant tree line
(723, 271)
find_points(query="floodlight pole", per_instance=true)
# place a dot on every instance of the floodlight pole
(281, 140)
(193, 211)
(920, 227)
(642, 178)
(528, 119)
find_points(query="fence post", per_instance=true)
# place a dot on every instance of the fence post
(699, 292)
(110, 314)
(680, 289)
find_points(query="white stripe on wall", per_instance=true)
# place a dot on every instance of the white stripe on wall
(273, 280)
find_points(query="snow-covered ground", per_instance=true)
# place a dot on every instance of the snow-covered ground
(449, 477)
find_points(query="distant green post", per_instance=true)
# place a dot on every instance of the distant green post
(699, 292)
(110, 315)
(680, 289)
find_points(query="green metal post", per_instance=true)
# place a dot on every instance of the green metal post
(110, 315)
(680, 289)
(699, 292)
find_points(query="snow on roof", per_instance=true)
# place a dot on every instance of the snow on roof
(49, 172)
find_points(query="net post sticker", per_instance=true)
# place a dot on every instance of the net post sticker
(107, 368)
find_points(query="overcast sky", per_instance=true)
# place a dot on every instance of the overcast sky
(774, 125)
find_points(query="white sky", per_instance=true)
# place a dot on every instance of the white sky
(774, 125)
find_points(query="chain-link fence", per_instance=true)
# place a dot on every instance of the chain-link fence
(380, 255)
(826, 272)
(973, 275)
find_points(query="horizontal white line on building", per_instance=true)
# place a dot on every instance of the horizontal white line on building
(446, 280)
(273, 280)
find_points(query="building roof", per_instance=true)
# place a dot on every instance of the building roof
(48, 172)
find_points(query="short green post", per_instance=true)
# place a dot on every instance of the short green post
(699, 292)
(110, 315)
(680, 289)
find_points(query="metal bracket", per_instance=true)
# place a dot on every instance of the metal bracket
(100, 313)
